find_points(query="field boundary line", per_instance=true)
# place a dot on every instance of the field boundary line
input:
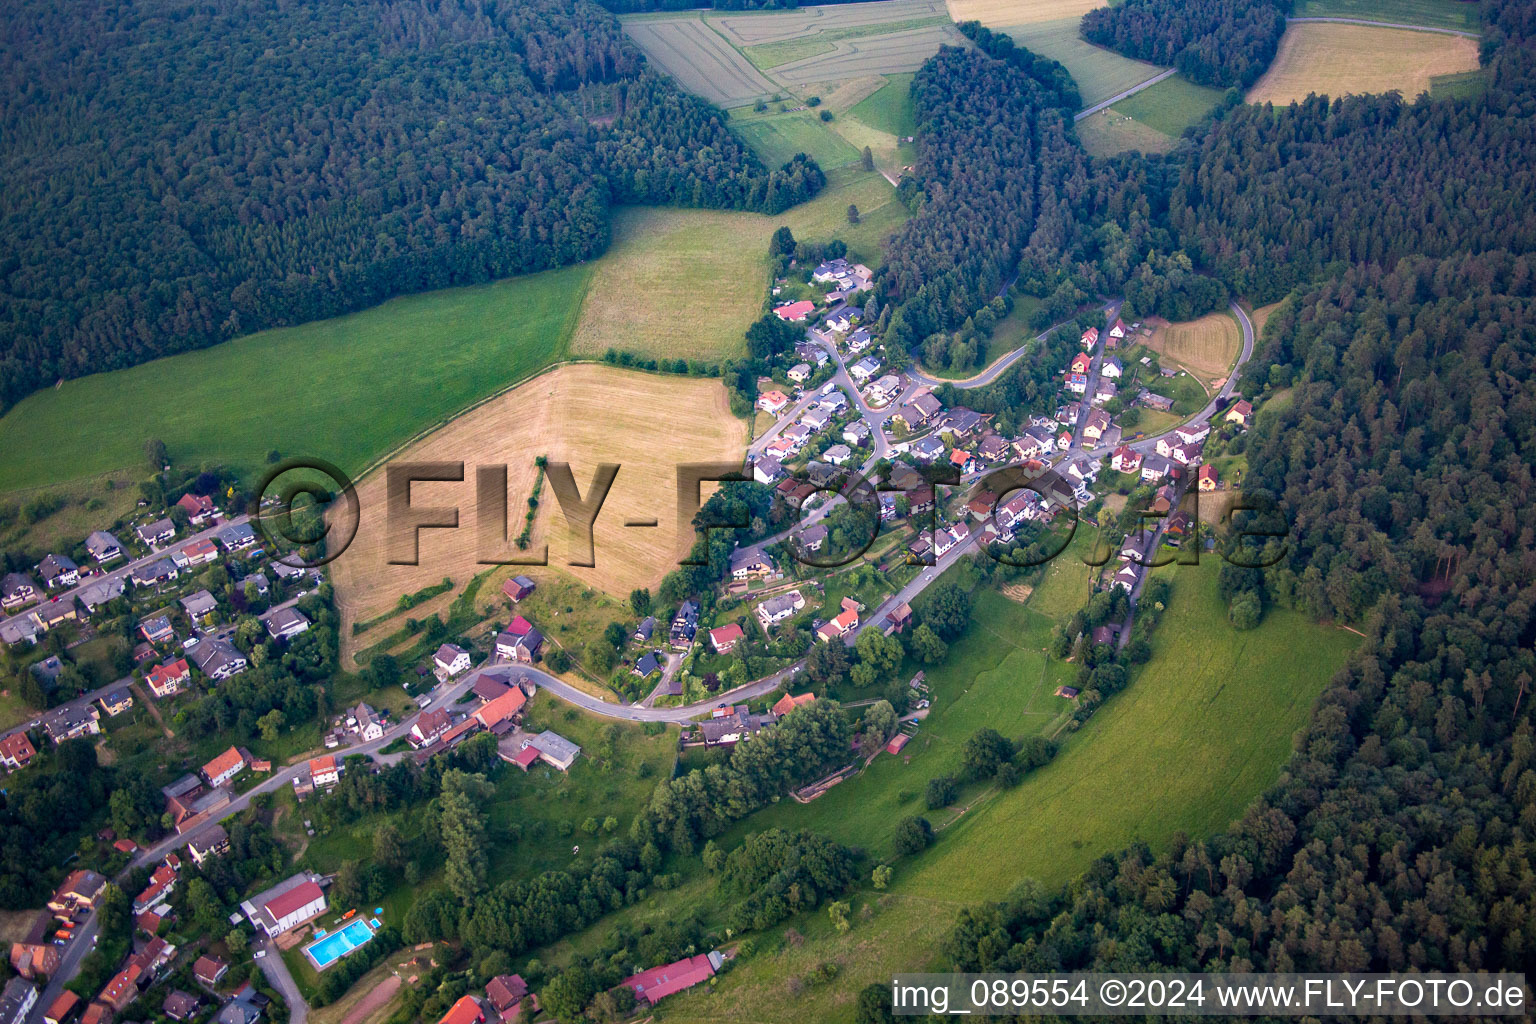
(1464, 33)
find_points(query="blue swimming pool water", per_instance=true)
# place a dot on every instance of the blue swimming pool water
(338, 944)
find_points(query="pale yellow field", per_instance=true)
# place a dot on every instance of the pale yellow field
(1260, 317)
(583, 414)
(996, 13)
(1206, 347)
(1109, 132)
(676, 284)
(1333, 60)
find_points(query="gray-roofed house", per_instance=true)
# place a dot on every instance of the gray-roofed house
(16, 589)
(286, 623)
(236, 536)
(777, 609)
(103, 547)
(837, 454)
(199, 604)
(865, 368)
(856, 432)
(730, 729)
(152, 573)
(647, 664)
(813, 537)
(99, 592)
(645, 629)
(157, 532)
(217, 659)
(58, 571)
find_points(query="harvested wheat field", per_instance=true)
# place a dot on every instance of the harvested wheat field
(1259, 317)
(998, 13)
(1335, 60)
(585, 415)
(1206, 347)
(676, 284)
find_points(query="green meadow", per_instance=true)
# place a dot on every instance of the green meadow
(1171, 105)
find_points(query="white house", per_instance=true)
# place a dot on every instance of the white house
(837, 454)
(287, 905)
(772, 402)
(1111, 368)
(450, 660)
(767, 470)
(286, 623)
(864, 369)
(799, 373)
(777, 609)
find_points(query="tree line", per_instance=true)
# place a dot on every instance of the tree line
(1213, 42)
(220, 179)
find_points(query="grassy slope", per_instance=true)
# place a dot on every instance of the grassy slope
(1434, 13)
(347, 389)
(1171, 105)
(889, 109)
(1099, 73)
(778, 137)
(1200, 732)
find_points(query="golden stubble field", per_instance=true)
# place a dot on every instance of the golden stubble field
(1335, 60)
(583, 414)
(1206, 347)
(995, 13)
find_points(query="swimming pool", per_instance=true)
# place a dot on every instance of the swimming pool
(326, 951)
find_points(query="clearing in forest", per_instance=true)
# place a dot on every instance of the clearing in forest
(1206, 347)
(1336, 60)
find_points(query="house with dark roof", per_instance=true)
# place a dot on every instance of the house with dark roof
(16, 589)
(58, 571)
(156, 533)
(217, 659)
(286, 623)
(103, 547)
(237, 536)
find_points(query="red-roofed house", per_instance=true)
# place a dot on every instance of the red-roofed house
(168, 679)
(430, 727)
(1126, 460)
(199, 508)
(199, 552)
(16, 750)
(1241, 412)
(785, 704)
(897, 742)
(324, 771)
(962, 460)
(501, 709)
(723, 638)
(1082, 363)
(505, 992)
(466, 1011)
(794, 312)
(657, 983)
(772, 402)
(224, 767)
(840, 623)
(62, 1008)
(1207, 478)
(1090, 338)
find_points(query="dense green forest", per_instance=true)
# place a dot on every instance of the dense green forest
(1402, 834)
(631, 6)
(1213, 42)
(177, 176)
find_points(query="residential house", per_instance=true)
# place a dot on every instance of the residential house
(926, 449)
(555, 750)
(199, 605)
(505, 993)
(1077, 383)
(369, 725)
(217, 659)
(72, 722)
(324, 771)
(103, 547)
(214, 842)
(79, 891)
(161, 884)
(101, 591)
(843, 318)
(521, 641)
(180, 1005)
(799, 373)
(816, 418)
(96, 1013)
(237, 536)
(466, 1011)
(54, 612)
(199, 552)
(897, 619)
(837, 454)
(684, 625)
(780, 607)
(1186, 453)
(15, 632)
(920, 409)
(16, 590)
(834, 402)
(284, 624)
(645, 629)
(62, 1008)
(430, 726)
(724, 638)
(772, 402)
(151, 574)
(199, 508)
(729, 727)
(286, 905)
(963, 460)
(767, 470)
(785, 704)
(993, 449)
(517, 588)
(811, 353)
(751, 564)
(1126, 577)
(1111, 368)
(34, 960)
(654, 985)
(946, 540)
(1240, 413)
(795, 312)
(812, 538)
(449, 660)
(1193, 433)
(864, 369)
(860, 340)
(1064, 440)
(225, 767)
(501, 714)
(1206, 480)
(1155, 467)
(646, 664)
(156, 533)
(1105, 391)
(168, 679)
(157, 628)
(1090, 338)
(1034, 443)
(16, 751)
(841, 623)
(115, 702)
(1098, 422)
(58, 571)
(1117, 330)
(1081, 364)
(16, 1001)
(209, 970)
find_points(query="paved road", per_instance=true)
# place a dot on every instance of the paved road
(992, 372)
(1117, 97)
(1387, 24)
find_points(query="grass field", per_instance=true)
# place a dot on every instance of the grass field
(1185, 748)
(347, 389)
(1335, 60)
(770, 55)
(1434, 13)
(585, 414)
(778, 137)
(1462, 86)
(1099, 73)
(1171, 105)
(889, 109)
(884, 54)
(1010, 333)
(1109, 132)
(1206, 347)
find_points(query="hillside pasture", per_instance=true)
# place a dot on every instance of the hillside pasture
(699, 60)
(584, 414)
(1337, 60)
(348, 389)
(762, 29)
(1109, 132)
(1206, 347)
(776, 138)
(1451, 14)
(1171, 105)
(783, 51)
(1099, 73)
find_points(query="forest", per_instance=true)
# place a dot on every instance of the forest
(175, 181)
(1213, 42)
